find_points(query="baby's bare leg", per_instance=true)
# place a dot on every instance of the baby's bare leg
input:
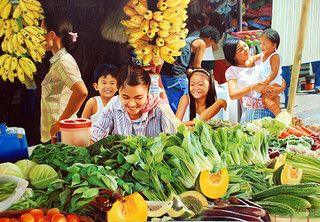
(273, 104)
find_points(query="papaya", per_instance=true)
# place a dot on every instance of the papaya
(130, 209)
(214, 185)
(287, 174)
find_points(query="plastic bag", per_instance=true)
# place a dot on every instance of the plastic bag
(17, 193)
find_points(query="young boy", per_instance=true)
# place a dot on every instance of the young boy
(105, 82)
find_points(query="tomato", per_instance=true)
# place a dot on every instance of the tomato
(73, 218)
(58, 218)
(3, 219)
(14, 220)
(27, 217)
(37, 213)
(42, 219)
(52, 212)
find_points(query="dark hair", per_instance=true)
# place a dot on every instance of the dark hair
(273, 35)
(216, 20)
(211, 95)
(105, 70)
(195, 22)
(133, 75)
(229, 50)
(210, 32)
(60, 25)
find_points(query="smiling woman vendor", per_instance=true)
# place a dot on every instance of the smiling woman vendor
(134, 111)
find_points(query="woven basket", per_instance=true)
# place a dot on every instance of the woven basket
(18, 213)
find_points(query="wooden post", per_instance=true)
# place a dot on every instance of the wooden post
(298, 54)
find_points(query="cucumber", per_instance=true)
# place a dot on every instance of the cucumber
(297, 203)
(277, 209)
(314, 201)
(299, 190)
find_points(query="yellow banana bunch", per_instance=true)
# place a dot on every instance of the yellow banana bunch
(163, 33)
(172, 12)
(30, 11)
(162, 5)
(3, 58)
(139, 7)
(16, 12)
(148, 15)
(164, 24)
(28, 67)
(156, 35)
(146, 59)
(166, 50)
(173, 3)
(20, 73)
(160, 41)
(158, 16)
(5, 8)
(14, 25)
(129, 11)
(4, 44)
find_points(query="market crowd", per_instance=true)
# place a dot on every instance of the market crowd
(212, 70)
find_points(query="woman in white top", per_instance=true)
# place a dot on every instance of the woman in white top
(203, 102)
(105, 82)
(244, 80)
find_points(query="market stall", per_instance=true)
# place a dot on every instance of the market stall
(216, 171)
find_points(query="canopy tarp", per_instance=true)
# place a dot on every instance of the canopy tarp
(286, 19)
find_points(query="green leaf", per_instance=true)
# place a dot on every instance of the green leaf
(140, 175)
(73, 169)
(64, 196)
(120, 158)
(158, 157)
(75, 179)
(92, 192)
(132, 159)
(79, 190)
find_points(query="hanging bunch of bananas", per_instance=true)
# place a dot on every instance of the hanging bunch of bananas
(22, 38)
(159, 35)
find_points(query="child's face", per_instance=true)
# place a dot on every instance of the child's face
(107, 86)
(133, 99)
(267, 46)
(199, 85)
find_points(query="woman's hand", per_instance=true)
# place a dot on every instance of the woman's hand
(54, 129)
(259, 87)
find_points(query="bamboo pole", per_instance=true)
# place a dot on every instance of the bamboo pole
(298, 54)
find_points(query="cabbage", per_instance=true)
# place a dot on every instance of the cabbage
(25, 167)
(10, 169)
(42, 175)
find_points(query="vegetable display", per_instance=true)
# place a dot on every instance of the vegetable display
(209, 172)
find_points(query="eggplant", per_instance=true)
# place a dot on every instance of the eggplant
(250, 203)
(237, 201)
(227, 213)
(251, 210)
